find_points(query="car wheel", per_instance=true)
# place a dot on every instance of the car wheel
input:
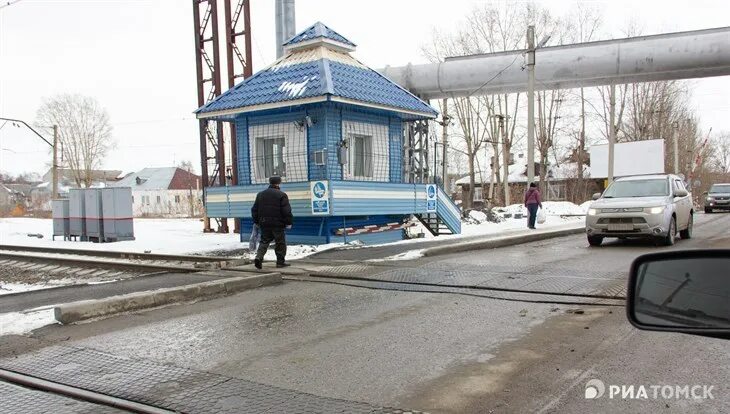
(668, 240)
(708, 210)
(595, 240)
(687, 233)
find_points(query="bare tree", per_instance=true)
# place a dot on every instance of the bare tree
(84, 131)
(721, 153)
(469, 112)
(586, 21)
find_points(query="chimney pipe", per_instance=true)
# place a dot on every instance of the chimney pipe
(285, 24)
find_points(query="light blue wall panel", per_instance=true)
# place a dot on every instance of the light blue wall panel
(219, 208)
(242, 209)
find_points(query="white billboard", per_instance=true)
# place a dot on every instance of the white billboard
(630, 158)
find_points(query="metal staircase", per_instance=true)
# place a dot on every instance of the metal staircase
(433, 223)
(445, 220)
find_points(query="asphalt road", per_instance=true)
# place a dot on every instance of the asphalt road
(434, 352)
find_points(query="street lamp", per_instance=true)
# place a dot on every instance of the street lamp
(54, 168)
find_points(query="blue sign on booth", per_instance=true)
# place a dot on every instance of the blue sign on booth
(431, 198)
(320, 197)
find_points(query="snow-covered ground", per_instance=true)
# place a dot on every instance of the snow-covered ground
(167, 236)
(557, 213)
(185, 236)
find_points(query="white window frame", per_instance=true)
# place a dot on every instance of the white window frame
(478, 192)
(378, 154)
(295, 151)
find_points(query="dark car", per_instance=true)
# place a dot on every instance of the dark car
(718, 198)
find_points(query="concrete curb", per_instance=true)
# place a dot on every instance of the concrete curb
(98, 308)
(500, 242)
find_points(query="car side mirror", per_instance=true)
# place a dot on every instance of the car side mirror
(680, 193)
(681, 291)
(596, 196)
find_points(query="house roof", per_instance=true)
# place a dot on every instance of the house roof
(518, 173)
(317, 67)
(152, 179)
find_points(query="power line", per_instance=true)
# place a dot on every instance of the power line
(494, 77)
(9, 3)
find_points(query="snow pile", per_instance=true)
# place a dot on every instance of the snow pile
(478, 216)
(512, 209)
(562, 208)
(409, 255)
(18, 323)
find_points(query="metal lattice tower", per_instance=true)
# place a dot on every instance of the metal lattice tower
(213, 148)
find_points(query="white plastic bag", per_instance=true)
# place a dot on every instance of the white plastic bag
(253, 242)
(541, 216)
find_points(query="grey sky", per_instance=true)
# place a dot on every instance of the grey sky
(137, 59)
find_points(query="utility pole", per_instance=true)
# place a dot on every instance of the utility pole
(530, 103)
(611, 132)
(445, 142)
(54, 167)
(505, 159)
(675, 130)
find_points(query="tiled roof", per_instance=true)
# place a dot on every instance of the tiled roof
(317, 31)
(317, 72)
(150, 179)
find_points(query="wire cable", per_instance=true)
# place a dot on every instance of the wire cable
(552, 302)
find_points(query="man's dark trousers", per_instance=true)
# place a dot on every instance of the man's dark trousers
(277, 235)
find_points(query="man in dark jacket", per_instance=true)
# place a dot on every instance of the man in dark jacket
(272, 212)
(532, 202)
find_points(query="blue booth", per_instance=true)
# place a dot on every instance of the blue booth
(333, 129)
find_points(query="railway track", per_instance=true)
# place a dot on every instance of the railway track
(26, 264)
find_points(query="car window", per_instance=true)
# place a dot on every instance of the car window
(678, 185)
(720, 188)
(654, 187)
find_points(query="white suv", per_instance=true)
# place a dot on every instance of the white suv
(647, 206)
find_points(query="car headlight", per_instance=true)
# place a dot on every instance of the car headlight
(592, 211)
(655, 210)
(710, 199)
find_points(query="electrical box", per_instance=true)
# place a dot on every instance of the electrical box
(342, 155)
(77, 214)
(61, 215)
(117, 214)
(94, 219)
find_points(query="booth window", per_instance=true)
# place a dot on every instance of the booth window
(273, 149)
(368, 148)
(362, 157)
(278, 149)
